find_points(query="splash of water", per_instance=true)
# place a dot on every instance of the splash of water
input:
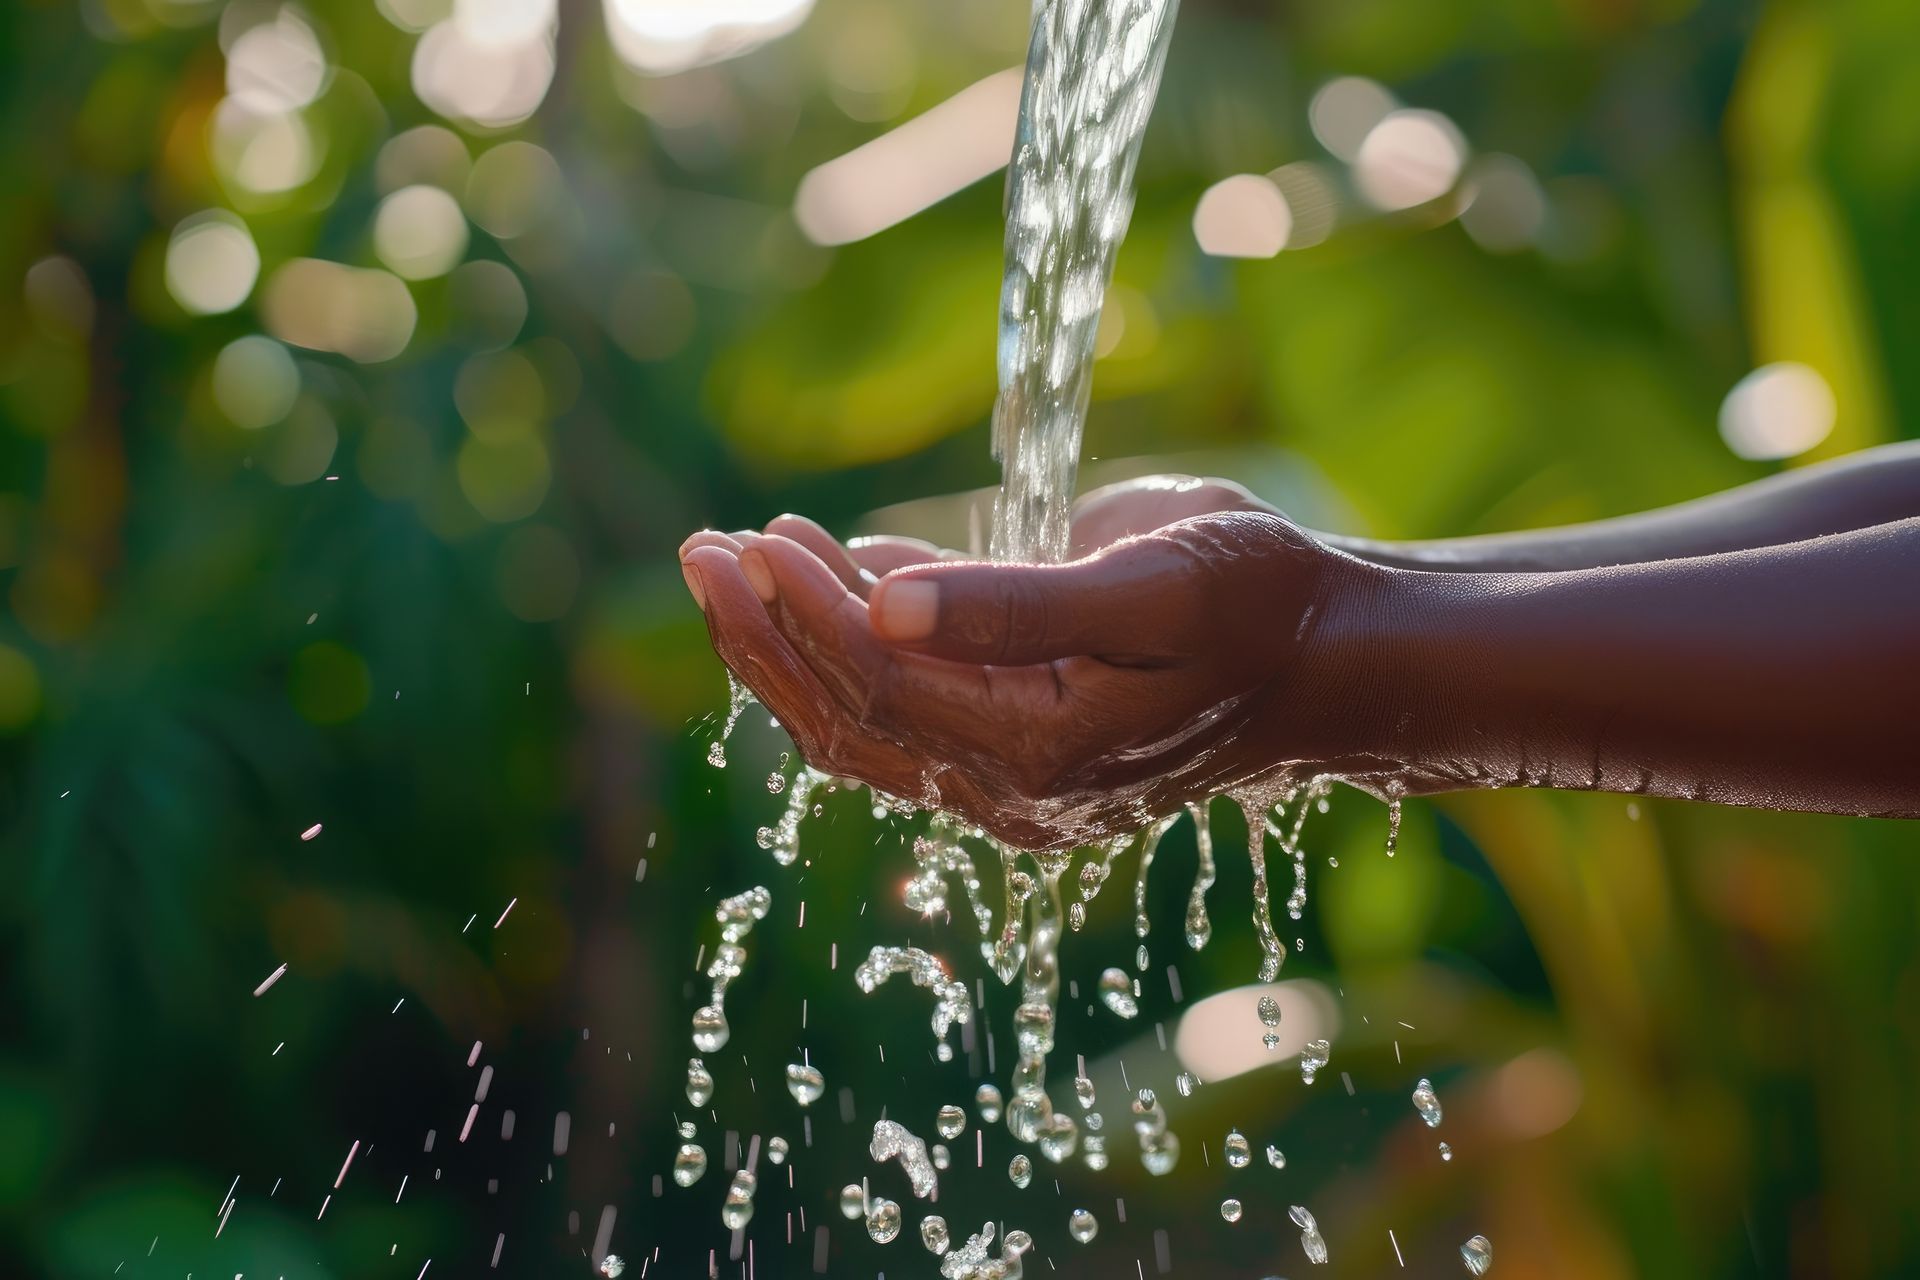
(950, 1001)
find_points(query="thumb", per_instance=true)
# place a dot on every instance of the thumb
(1138, 602)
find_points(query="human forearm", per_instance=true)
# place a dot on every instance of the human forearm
(1784, 677)
(1872, 487)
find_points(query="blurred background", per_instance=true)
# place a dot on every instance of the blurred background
(362, 363)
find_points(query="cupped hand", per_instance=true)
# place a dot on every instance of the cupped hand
(1051, 705)
(1101, 518)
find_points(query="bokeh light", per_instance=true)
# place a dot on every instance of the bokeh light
(488, 304)
(264, 153)
(504, 22)
(1777, 411)
(872, 65)
(504, 479)
(664, 36)
(59, 298)
(419, 232)
(1412, 156)
(500, 395)
(212, 263)
(925, 160)
(363, 314)
(1244, 216)
(1343, 112)
(277, 65)
(514, 188)
(1507, 207)
(485, 83)
(1313, 201)
(1219, 1036)
(427, 153)
(255, 381)
(300, 450)
(414, 15)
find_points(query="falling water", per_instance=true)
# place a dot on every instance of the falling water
(1092, 73)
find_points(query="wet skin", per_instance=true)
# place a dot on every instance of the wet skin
(1759, 647)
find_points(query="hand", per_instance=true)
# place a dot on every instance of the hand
(1052, 705)
(1101, 518)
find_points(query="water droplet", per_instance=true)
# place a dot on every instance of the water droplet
(892, 1141)
(1093, 1148)
(717, 755)
(776, 782)
(805, 1083)
(1140, 956)
(1186, 1082)
(1239, 1152)
(1082, 1226)
(699, 1082)
(883, 1221)
(1161, 1155)
(853, 1201)
(710, 1030)
(1083, 1091)
(1059, 1136)
(777, 1150)
(1477, 1253)
(1116, 992)
(1310, 1238)
(941, 1156)
(1077, 916)
(1313, 1056)
(689, 1162)
(1198, 927)
(1269, 1011)
(686, 1130)
(1446, 1152)
(1020, 1170)
(933, 1233)
(951, 1122)
(1271, 1041)
(613, 1266)
(1426, 1103)
(736, 1211)
(987, 1099)
(1276, 1157)
(1230, 1210)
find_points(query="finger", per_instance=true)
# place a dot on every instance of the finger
(881, 554)
(1146, 503)
(824, 622)
(708, 538)
(1140, 602)
(825, 548)
(755, 651)
(704, 538)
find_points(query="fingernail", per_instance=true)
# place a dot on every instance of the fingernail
(694, 584)
(905, 609)
(759, 575)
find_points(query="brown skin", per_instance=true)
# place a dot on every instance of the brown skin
(1712, 651)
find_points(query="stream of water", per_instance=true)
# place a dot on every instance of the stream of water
(1093, 70)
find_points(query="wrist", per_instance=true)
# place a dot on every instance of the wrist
(1399, 679)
